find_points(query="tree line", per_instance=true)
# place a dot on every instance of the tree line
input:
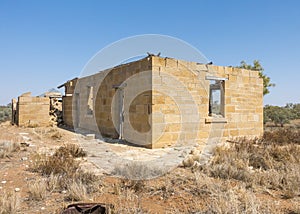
(5, 113)
(281, 115)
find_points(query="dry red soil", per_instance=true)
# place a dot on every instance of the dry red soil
(177, 192)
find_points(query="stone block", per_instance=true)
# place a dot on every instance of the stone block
(203, 135)
(171, 63)
(182, 65)
(158, 61)
(234, 132)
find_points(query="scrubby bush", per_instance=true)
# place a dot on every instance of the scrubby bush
(7, 148)
(62, 171)
(272, 162)
(282, 137)
(5, 113)
(281, 114)
(37, 189)
(9, 203)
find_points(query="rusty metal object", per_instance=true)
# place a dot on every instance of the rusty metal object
(88, 208)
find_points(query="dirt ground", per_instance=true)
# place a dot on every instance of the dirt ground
(180, 191)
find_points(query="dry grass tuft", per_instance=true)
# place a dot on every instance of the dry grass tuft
(260, 162)
(38, 190)
(166, 189)
(129, 202)
(55, 134)
(53, 183)
(238, 200)
(59, 163)
(223, 197)
(73, 149)
(136, 171)
(76, 191)
(62, 172)
(133, 176)
(136, 185)
(282, 136)
(92, 182)
(9, 203)
(7, 148)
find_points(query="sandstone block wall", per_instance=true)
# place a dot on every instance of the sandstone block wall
(243, 102)
(107, 92)
(67, 110)
(174, 105)
(33, 111)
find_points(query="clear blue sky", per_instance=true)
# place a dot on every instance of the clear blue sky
(44, 43)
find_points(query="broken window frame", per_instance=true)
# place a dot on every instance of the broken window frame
(90, 101)
(216, 84)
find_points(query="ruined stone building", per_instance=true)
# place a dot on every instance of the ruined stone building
(32, 111)
(158, 102)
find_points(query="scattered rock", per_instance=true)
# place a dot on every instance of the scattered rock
(90, 137)
(26, 138)
(17, 189)
(3, 182)
(56, 116)
(24, 158)
(64, 192)
(24, 144)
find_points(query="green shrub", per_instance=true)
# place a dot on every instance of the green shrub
(5, 113)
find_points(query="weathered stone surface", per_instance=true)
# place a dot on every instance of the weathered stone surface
(175, 106)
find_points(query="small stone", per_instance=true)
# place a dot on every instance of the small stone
(24, 158)
(90, 137)
(26, 139)
(24, 144)
(3, 182)
(17, 189)
(43, 208)
(64, 192)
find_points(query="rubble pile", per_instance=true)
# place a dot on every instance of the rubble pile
(56, 117)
